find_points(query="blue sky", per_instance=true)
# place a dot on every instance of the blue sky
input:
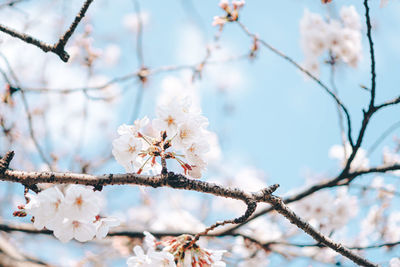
(280, 122)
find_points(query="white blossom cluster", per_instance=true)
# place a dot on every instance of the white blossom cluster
(342, 38)
(178, 132)
(74, 214)
(326, 211)
(174, 254)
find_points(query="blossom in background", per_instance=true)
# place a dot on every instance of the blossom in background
(172, 252)
(73, 215)
(395, 262)
(391, 158)
(178, 132)
(131, 21)
(342, 38)
(232, 12)
(343, 153)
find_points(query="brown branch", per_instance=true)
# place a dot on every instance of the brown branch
(280, 207)
(29, 229)
(251, 207)
(389, 244)
(179, 181)
(317, 187)
(11, 3)
(389, 103)
(5, 161)
(57, 48)
(26, 38)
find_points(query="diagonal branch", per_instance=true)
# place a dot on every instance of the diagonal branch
(178, 181)
(309, 74)
(317, 187)
(57, 48)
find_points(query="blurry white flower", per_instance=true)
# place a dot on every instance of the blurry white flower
(80, 230)
(342, 38)
(392, 233)
(81, 203)
(151, 259)
(342, 154)
(350, 17)
(391, 158)
(45, 207)
(178, 132)
(131, 21)
(103, 226)
(112, 54)
(395, 262)
(326, 211)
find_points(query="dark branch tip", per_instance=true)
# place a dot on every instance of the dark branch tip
(5, 161)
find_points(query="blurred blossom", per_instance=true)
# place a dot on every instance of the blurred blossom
(341, 153)
(131, 21)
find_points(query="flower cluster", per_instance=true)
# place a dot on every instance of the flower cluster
(173, 252)
(177, 128)
(340, 210)
(74, 214)
(342, 38)
(232, 12)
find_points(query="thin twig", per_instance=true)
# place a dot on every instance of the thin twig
(57, 48)
(299, 67)
(179, 181)
(382, 137)
(372, 53)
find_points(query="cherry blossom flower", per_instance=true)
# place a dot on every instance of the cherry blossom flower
(103, 226)
(178, 132)
(45, 207)
(81, 203)
(151, 259)
(395, 262)
(342, 38)
(74, 215)
(173, 252)
(80, 230)
(342, 154)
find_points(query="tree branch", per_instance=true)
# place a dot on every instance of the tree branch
(57, 48)
(179, 181)
(317, 187)
(372, 53)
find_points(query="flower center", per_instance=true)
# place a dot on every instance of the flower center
(75, 224)
(79, 201)
(170, 121)
(132, 149)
